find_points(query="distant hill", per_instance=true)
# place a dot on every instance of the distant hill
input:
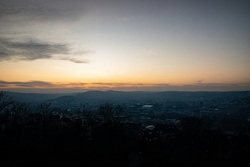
(32, 97)
(120, 96)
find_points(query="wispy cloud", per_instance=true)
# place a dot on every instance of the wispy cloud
(28, 50)
(29, 84)
(125, 86)
(74, 60)
(40, 84)
(200, 81)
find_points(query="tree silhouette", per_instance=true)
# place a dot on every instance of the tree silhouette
(111, 113)
(106, 111)
(118, 114)
(5, 104)
(45, 109)
(5, 101)
(84, 112)
(18, 112)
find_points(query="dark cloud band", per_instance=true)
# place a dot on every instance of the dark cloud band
(125, 86)
(28, 50)
(30, 84)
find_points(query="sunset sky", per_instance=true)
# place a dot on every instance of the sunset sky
(154, 45)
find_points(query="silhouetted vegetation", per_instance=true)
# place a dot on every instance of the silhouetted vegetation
(45, 137)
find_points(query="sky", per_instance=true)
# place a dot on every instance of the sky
(149, 45)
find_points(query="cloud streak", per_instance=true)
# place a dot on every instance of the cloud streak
(28, 50)
(80, 86)
(29, 84)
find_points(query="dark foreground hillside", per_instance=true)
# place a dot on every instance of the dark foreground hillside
(61, 141)
(43, 137)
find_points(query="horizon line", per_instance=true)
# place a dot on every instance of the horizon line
(125, 91)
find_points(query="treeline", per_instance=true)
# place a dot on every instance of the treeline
(44, 137)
